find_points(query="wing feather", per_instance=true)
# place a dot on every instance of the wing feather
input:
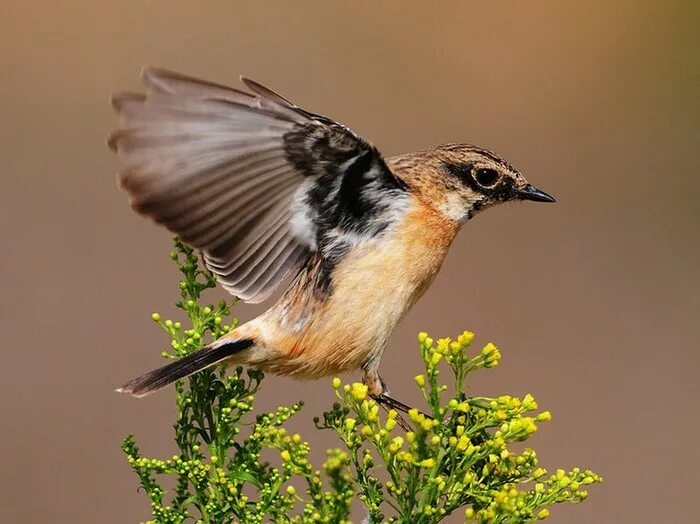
(226, 170)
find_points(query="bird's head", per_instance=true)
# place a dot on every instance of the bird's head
(461, 180)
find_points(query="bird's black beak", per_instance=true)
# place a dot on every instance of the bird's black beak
(532, 193)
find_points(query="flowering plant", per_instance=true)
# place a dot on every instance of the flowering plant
(455, 457)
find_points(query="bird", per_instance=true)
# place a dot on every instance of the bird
(277, 198)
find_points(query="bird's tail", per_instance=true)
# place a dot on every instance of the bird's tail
(184, 367)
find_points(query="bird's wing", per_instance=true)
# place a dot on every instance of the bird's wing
(253, 181)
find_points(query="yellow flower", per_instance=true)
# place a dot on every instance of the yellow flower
(404, 456)
(428, 463)
(545, 415)
(465, 338)
(529, 402)
(427, 424)
(462, 443)
(395, 445)
(543, 514)
(443, 345)
(359, 391)
(489, 349)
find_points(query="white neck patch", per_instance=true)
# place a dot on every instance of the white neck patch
(454, 208)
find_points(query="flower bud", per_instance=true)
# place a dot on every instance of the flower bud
(545, 415)
(359, 391)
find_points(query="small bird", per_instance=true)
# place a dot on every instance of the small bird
(271, 193)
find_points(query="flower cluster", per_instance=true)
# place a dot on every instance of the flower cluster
(457, 455)
(233, 466)
(221, 475)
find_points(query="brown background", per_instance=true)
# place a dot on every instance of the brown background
(594, 301)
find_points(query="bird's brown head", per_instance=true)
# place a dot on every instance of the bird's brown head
(461, 180)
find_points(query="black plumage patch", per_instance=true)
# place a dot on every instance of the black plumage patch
(351, 194)
(355, 178)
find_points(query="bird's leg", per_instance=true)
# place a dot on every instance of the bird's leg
(387, 403)
(379, 392)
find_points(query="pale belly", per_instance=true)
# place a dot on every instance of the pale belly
(372, 290)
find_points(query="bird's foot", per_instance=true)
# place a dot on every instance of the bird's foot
(379, 392)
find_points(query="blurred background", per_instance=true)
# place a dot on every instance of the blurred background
(593, 301)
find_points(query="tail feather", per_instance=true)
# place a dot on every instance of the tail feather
(183, 367)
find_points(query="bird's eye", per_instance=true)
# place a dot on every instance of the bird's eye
(486, 177)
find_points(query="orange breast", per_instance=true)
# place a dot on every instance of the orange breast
(373, 288)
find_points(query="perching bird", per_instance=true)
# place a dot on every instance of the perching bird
(272, 193)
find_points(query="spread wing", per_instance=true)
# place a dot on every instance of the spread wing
(253, 181)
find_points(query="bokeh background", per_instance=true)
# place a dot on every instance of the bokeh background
(593, 301)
